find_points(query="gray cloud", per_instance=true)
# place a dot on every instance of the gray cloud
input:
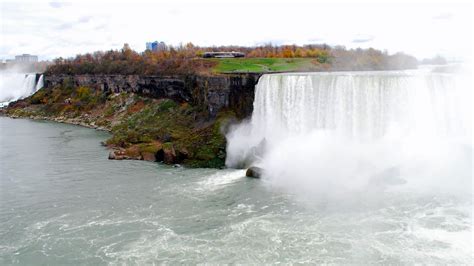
(363, 38)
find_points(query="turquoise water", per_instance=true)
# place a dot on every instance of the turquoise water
(62, 202)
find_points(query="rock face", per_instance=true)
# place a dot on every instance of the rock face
(233, 91)
(149, 156)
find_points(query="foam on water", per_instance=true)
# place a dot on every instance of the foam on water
(220, 179)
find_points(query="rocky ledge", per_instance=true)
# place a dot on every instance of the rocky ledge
(231, 91)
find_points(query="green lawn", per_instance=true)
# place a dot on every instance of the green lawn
(265, 64)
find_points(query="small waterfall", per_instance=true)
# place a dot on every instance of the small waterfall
(15, 86)
(321, 129)
(39, 84)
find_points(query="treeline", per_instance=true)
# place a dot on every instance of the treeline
(128, 62)
(186, 59)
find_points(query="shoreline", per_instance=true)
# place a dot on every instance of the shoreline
(62, 120)
(140, 128)
(115, 153)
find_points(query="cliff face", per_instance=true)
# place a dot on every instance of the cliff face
(233, 91)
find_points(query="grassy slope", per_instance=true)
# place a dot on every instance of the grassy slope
(266, 64)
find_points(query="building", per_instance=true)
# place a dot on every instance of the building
(149, 45)
(156, 46)
(26, 58)
(223, 54)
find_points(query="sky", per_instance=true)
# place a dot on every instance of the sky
(54, 29)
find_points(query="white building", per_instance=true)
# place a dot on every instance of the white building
(26, 58)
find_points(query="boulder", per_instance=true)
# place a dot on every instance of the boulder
(166, 154)
(117, 155)
(148, 156)
(169, 155)
(182, 155)
(254, 172)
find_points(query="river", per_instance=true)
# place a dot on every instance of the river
(63, 202)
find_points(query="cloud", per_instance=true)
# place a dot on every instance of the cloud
(174, 12)
(65, 26)
(84, 19)
(100, 27)
(58, 4)
(272, 42)
(40, 24)
(443, 16)
(363, 38)
(69, 25)
(316, 40)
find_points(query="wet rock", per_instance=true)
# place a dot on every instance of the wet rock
(132, 153)
(148, 156)
(117, 155)
(182, 155)
(169, 155)
(254, 172)
(166, 154)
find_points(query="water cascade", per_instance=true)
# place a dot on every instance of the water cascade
(15, 86)
(327, 129)
(39, 84)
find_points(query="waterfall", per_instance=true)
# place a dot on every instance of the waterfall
(339, 123)
(39, 84)
(15, 86)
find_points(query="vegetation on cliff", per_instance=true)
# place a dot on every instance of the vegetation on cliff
(141, 128)
(186, 60)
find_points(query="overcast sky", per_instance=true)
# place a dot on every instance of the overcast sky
(53, 29)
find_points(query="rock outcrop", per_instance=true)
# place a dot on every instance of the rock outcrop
(233, 91)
